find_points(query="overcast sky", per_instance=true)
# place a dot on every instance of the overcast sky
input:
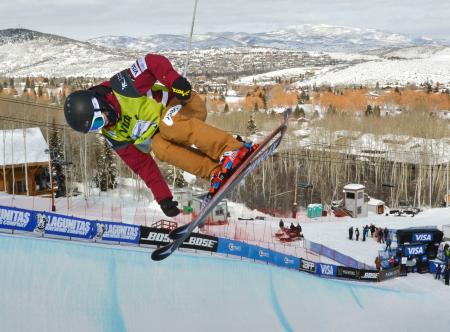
(83, 19)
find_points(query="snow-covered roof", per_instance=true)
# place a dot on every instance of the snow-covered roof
(354, 186)
(14, 151)
(375, 202)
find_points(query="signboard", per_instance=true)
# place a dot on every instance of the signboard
(326, 270)
(283, 260)
(307, 266)
(117, 232)
(17, 219)
(259, 253)
(232, 247)
(414, 250)
(61, 225)
(422, 237)
(160, 236)
(347, 272)
(368, 275)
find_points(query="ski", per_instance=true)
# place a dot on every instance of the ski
(265, 149)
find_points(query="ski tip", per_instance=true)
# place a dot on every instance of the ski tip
(161, 253)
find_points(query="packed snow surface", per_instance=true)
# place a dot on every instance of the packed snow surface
(50, 285)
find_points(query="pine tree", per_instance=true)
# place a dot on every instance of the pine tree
(106, 172)
(377, 111)
(251, 126)
(57, 161)
(226, 109)
(180, 181)
(297, 111)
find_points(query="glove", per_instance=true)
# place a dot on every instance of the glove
(182, 88)
(169, 207)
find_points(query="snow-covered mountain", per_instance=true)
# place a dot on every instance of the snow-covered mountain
(305, 37)
(30, 53)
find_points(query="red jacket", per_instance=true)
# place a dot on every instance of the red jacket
(145, 72)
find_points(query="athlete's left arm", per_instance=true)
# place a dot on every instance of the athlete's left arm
(161, 68)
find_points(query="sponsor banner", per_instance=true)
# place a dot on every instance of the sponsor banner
(283, 260)
(258, 253)
(326, 270)
(368, 275)
(159, 236)
(232, 247)
(154, 236)
(17, 219)
(347, 272)
(61, 225)
(422, 237)
(117, 232)
(414, 250)
(389, 274)
(201, 242)
(307, 266)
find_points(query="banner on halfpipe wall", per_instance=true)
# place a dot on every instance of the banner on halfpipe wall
(160, 237)
(17, 219)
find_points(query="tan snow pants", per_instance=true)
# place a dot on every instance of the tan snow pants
(181, 128)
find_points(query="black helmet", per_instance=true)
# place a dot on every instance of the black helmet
(80, 108)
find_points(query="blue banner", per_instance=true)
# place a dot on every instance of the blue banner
(326, 270)
(422, 237)
(232, 247)
(283, 260)
(414, 250)
(258, 253)
(117, 232)
(17, 219)
(56, 224)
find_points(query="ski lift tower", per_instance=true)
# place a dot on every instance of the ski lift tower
(354, 200)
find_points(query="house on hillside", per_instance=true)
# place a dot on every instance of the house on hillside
(24, 162)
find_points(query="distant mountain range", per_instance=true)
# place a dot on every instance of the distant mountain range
(31, 53)
(305, 37)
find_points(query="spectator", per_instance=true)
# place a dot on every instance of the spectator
(392, 261)
(350, 233)
(379, 235)
(372, 230)
(386, 233)
(378, 263)
(388, 243)
(447, 274)
(438, 271)
(281, 224)
(292, 227)
(365, 232)
(299, 230)
(357, 233)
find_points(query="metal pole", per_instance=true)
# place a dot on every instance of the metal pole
(4, 161)
(447, 196)
(50, 171)
(186, 63)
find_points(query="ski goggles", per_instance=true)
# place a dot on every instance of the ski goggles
(98, 121)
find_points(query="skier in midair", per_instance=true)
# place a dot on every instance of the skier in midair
(151, 107)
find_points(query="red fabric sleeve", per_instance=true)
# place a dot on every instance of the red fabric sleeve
(161, 69)
(145, 166)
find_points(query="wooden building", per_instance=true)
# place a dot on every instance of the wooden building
(24, 162)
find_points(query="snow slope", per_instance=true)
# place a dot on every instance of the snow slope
(416, 65)
(50, 285)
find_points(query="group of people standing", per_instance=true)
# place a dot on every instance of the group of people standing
(382, 235)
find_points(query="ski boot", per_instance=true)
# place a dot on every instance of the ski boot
(230, 161)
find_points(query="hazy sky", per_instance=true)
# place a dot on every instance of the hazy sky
(83, 19)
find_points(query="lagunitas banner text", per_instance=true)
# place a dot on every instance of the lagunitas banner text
(61, 225)
(17, 219)
(117, 232)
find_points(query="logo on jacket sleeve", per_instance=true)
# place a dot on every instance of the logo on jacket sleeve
(170, 114)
